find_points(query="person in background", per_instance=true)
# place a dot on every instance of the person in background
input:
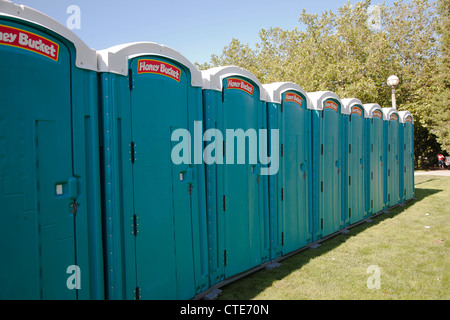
(441, 160)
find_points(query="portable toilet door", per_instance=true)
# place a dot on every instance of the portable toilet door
(290, 189)
(392, 150)
(356, 161)
(376, 167)
(407, 126)
(153, 189)
(50, 227)
(326, 163)
(345, 178)
(237, 189)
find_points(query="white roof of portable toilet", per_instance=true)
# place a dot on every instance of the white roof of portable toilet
(369, 108)
(350, 102)
(213, 78)
(115, 59)
(387, 112)
(403, 115)
(317, 98)
(85, 56)
(275, 90)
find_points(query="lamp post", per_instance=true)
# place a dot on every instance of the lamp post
(392, 81)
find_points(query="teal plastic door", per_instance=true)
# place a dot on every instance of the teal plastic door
(408, 158)
(295, 123)
(331, 168)
(245, 217)
(36, 185)
(162, 189)
(393, 161)
(376, 163)
(356, 185)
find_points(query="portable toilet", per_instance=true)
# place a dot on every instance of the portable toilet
(236, 181)
(357, 154)
(375, 175)
(50, 221)
(407, 132)
(392, 152)
(345, 178)
(326, 163)
(154, 191)
(290, 189)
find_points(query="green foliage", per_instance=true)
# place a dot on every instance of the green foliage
(439, 119)
(354, 50)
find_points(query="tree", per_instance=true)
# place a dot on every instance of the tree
(439, 118)
(354, 50)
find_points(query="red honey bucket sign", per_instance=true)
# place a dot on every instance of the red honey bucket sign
(394, 117)
(331, 105)
(29, 41)
(159, 67)
(293, 97)
(377, 113)
(409, 119)
(357, 110)
(239, 84)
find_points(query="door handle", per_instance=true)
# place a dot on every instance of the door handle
(187, 176)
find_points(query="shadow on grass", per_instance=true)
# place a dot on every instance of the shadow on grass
(250, 286)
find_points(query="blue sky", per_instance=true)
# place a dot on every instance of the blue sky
(195, 28)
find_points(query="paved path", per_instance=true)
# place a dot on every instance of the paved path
(443, 172)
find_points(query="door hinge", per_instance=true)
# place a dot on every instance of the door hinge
(282, 238)
(349, 212)
(321, 149)
(135, 224)
(130, 79)
(224, 257)
(223, 204)
(321, 186)
(282, 194)
(223, 94)
(282, 106)
(349, 180)
(137, 293)
(132, 152)
(223, 148)
(282, 149)
(321, 224)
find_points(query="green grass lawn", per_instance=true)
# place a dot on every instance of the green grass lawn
(409, 246)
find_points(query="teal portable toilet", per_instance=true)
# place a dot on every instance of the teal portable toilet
(345, 178)
(357, 153)
(392, 151)
(290, 190)
(153, 189)
(236, 181)
(375, 174)
(50, 221)
(407, 129)
(326, 163)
